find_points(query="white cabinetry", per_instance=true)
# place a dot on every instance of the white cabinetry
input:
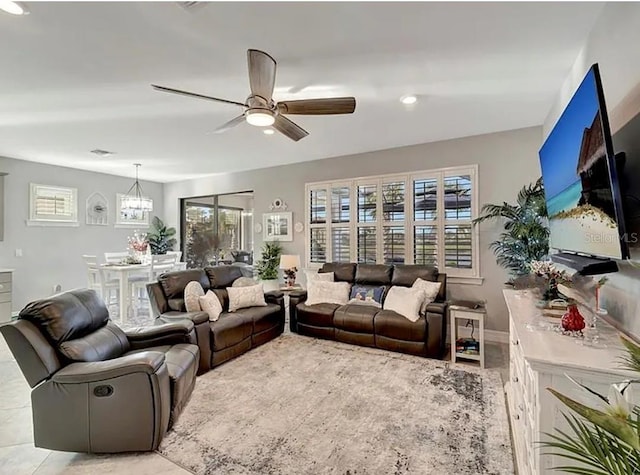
(540, 359)
(5, 295)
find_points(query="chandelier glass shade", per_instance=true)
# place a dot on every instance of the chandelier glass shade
(134, 199)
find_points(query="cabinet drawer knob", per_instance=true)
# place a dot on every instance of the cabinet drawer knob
(517, 417)
(515, 379)
(1, 286)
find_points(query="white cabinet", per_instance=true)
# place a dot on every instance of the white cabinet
(5, 295)
(540, 359)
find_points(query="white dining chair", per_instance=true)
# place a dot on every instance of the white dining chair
(108, 289)
(160, 263)
(179, 265)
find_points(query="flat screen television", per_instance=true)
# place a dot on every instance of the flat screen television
(582, 190)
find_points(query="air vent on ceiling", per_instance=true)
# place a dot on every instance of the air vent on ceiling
(101, 153)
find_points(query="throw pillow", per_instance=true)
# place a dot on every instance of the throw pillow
(328, 292)
(244, 282)
(210, 303)
(431, 290)
(313, 276)
(406, 301)
(366, 295)
(243, 297)
(192, 293)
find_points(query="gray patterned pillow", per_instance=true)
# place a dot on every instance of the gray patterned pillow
(243, 297)
(192, 292)
(244, 282)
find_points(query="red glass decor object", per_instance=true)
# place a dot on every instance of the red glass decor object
(572, 320)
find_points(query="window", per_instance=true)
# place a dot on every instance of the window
(417, 218)
(54, 205)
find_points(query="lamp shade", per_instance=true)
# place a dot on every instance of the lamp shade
(289, 261)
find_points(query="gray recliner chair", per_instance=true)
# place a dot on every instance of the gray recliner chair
(95, 387)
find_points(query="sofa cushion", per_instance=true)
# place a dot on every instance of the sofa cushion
(68, 315)
(393, 325)
(222, 276)
(406, 301)
(211, 304)
(103, 344)
(173, 283)
(355, 318)
(328, 292)
(367, 295)
(230, 329)
(263, 318)
(177, 304)
(223, 297)
(319, 315)
(374, 274)
(342, 272)
(246, 297)
(431, 291)
(406, 274)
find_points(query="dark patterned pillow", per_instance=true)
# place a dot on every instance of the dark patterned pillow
(367, 295)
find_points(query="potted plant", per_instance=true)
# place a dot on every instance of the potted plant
(526, 236)
(161, 238)
(267, 266)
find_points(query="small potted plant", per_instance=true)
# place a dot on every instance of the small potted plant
(161, 237)
(268, 265)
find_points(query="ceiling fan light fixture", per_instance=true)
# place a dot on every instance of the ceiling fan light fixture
(15, 8)
(134, 200)
(260, 117)
(409, 99)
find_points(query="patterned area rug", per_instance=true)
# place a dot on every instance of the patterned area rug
(298, 405)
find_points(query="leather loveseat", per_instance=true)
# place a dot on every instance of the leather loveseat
(95, 387)
(234, 333)
(371, 326)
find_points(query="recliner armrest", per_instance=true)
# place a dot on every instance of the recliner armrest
(180, 331)
(296, 297)
(173, 316)
(148, 362)
(437, 307)
(273, 296)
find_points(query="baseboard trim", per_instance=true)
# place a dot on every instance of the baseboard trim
(496, 336)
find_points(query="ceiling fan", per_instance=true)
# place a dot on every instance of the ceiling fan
(262, 111)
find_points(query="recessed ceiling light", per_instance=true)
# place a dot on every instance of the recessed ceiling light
(15, 8)
(268, 132)
(102, 153)
(408, 100)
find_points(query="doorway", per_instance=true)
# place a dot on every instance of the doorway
(217, 229)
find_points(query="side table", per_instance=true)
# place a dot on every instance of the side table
(467, 311)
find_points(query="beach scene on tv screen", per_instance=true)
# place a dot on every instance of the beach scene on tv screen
(576, 178)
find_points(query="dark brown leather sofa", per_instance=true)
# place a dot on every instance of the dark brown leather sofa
(370, 326)
(95, 387)
(233, 333)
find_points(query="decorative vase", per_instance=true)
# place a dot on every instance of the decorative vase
(572, 321)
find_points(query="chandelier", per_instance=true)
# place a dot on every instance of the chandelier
(134, 200)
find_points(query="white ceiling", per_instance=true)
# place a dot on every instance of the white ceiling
(75, 77)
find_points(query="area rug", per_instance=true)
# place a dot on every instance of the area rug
(299, 405)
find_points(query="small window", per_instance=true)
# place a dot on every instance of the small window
(53, 204)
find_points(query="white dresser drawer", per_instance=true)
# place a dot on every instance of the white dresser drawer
(5, 312)
(5, 287)
(5, 277)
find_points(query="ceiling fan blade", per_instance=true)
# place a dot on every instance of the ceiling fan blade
(289, 128)
(229, 125)
(333, 105)
(262, 73)
(193, 94)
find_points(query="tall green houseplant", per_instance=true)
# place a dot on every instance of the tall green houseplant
(161, 238)
(526, 234)
(267, 266)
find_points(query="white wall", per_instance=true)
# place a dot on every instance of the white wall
(507, 161)
(51, 255)
(613, 43)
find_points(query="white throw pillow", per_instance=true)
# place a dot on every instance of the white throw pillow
(192, 292)
(244, 282)
(210, 303)
(243, 297)
(328, 292)
(406, 301)
(313, 276)
(431, 290)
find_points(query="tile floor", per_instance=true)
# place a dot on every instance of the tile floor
(18, 456)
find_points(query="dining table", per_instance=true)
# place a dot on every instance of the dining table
(123, 272)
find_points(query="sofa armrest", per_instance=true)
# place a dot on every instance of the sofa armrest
(437, 307)
(181, 331)
(437, 316)
(202, 332)
(295, 297)
(157, 299)
(274, 296)
(148, 362)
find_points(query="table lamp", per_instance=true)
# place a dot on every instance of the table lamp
(289, 263)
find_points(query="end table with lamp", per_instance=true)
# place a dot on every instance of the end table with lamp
(290, 263)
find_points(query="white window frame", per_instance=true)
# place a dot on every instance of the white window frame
(455, 275)
(52, 220)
